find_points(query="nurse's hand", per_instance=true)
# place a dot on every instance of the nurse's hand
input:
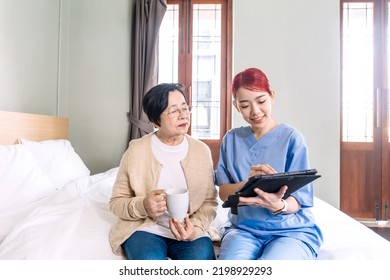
(261, 169)
(271, 201)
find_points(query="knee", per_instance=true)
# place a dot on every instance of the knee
(206, 252)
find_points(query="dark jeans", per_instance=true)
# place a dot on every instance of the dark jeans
(143, 245)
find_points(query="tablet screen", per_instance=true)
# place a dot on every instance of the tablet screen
(271, 183)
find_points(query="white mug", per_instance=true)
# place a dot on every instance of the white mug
(177, 203)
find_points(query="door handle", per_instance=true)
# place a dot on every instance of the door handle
(377, 209)
(378, 116)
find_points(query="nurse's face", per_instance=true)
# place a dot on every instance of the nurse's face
(255, 107)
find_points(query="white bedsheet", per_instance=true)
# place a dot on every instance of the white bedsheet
(346, 238)
(74, 223)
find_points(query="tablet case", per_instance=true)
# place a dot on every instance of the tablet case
(272, 183)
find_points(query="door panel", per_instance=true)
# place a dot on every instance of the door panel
(364, 155)
(360, 181)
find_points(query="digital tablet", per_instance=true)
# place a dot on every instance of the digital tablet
(271, 183)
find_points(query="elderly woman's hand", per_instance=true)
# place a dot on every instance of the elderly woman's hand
(155, 203)
(182, 232)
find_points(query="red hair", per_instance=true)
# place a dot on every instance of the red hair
(252, 79)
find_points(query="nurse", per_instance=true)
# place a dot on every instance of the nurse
(266, 227)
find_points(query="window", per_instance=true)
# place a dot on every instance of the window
(194, 50)
(358, 58)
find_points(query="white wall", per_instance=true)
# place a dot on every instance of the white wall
(296, 43)
(28, 55)
(71, 58)
(96, 78)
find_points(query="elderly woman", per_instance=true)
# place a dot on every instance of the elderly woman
(164, 160)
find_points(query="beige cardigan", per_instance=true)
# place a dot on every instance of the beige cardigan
(138, 174)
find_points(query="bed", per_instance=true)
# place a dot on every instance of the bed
(51, 207)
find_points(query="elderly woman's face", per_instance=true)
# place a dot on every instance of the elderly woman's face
(175, 120)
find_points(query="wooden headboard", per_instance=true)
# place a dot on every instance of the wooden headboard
(31, 126)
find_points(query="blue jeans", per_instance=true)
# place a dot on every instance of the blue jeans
(142, 245)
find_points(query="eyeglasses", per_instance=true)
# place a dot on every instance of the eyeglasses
(174, 112)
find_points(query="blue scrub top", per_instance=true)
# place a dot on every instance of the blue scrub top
(284, 149)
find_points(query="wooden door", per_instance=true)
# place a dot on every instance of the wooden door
(365, 173)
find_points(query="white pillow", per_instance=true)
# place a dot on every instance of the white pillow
(58, 160)
(22, 181)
